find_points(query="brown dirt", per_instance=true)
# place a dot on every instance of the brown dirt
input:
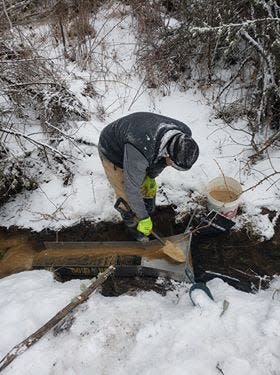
(238, 255)
(17, 249)
(242, 259)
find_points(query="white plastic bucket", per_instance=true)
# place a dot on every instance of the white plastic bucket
(223, 194)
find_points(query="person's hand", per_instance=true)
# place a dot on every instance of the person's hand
(149, 187)
(145, 226)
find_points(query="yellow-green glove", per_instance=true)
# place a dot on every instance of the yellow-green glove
(149, 187)
(145, 226)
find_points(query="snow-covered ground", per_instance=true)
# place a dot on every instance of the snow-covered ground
(145, 333)
(120, 91)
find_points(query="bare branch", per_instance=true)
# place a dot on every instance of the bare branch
(6, 14)
(246, 23)
(268, 143)
(31, 140)
(260, 182)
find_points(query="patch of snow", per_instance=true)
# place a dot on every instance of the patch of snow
(142, 334)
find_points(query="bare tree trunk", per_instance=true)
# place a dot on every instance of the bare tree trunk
(32, 339)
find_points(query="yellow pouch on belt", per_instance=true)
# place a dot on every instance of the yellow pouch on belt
(149, 187)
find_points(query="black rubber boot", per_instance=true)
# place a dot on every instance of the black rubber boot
(150, 204)
(138, 236)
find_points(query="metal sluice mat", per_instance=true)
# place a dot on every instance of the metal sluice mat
(87, 259)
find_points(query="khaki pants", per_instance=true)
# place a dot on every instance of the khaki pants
(115, 177)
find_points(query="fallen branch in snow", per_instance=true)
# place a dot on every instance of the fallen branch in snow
(218, 367)
(253, 274)
(268, 143)
(267, 177)
(73, 140)
(36, 336)
(37, 143)
(54, 216)
(260, 182)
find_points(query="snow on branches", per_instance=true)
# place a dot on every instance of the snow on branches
(232, 45)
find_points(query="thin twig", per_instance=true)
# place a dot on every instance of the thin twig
(136, 96)
(233, 78)
(6, 14)
(225, 181)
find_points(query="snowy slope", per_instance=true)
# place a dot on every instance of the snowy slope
(121, 91)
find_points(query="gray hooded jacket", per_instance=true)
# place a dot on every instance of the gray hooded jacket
(137, 143)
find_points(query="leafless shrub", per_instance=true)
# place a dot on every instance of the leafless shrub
(15, 13)
(13, 179)
(231, 112)
(71, 22)
(222, 44)
(148, 15)
(31, 92)
(150, 28)
(31, 81)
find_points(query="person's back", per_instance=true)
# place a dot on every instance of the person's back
(143, 130)
(134, 150)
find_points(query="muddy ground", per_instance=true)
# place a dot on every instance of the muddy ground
(239, 258)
